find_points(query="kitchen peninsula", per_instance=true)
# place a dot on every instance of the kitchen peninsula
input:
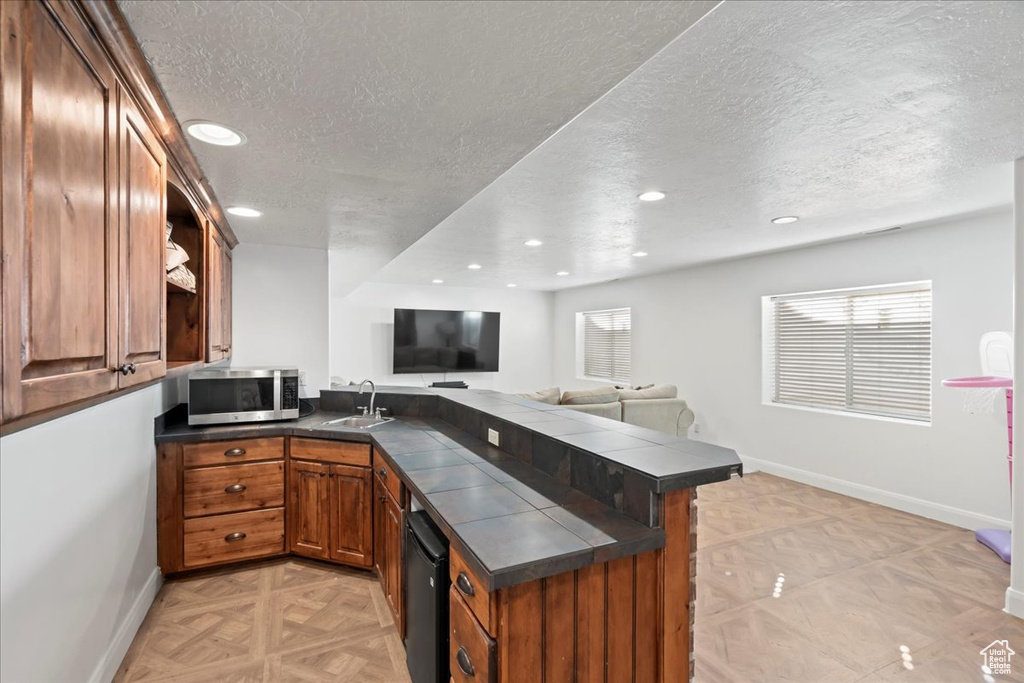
(572, 539)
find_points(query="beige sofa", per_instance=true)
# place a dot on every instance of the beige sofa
(656, 407)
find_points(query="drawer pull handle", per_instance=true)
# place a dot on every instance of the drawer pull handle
(464, 584)
(234, 488)
(237, 536)
(383, 473)
(234, 451)
(462, 657)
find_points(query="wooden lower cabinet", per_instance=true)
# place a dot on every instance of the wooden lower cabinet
(629, 619)
(308, 509)
(211, 513)
(472, 649)
(212, 496)
(388, 524)
(229, 538)
(330, 506)
(351, 516)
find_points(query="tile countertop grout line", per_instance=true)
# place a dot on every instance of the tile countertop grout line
(505, 576)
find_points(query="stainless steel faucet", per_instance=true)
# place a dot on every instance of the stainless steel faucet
(373, 394)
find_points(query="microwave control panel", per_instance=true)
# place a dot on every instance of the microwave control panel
(289, 393)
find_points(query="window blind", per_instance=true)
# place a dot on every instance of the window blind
(865, 350)
(607, 342)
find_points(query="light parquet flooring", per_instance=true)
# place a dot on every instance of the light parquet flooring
(286, 620)
(859, 582)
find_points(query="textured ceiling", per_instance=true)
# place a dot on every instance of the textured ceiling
(370, 122)
(853, 115)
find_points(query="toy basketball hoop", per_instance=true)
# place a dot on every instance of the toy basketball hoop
(997, 366)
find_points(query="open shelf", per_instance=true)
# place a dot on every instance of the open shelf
(186, 313)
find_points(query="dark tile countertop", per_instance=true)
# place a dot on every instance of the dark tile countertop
(512, 518)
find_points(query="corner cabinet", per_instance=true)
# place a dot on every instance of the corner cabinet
(224, 501)
(330, 516)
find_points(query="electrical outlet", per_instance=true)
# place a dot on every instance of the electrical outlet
(696, 427)
(302, 377)
(494, 437)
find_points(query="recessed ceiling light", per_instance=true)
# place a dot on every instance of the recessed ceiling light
(214, 133)
(562, 273)
(474, 266)
(244, 211)
(652, 196)
(511, 284)
(438, 282)
(639, 254)
(533, 243)
(782, 220)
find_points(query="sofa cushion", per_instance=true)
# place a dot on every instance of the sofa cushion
(587, 396)
(549, 395)
(655, 391)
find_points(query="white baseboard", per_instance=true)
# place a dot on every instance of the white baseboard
(122, 640)
(1015, 602)
(917, 506)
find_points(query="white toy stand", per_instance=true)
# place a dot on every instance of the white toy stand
(997, 368)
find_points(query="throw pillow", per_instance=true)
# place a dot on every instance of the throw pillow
(590, 396)
(654, 391)
(549, 396)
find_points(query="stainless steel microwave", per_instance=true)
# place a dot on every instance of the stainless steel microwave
(234, 395)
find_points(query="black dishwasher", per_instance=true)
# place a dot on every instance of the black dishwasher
(426, 600)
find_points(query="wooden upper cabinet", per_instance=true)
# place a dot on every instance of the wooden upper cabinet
(142, 212)
(218, 261)
(59, 216)
(226, 300)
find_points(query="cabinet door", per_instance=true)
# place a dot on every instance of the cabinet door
(215, 294)
(393, 540)
(380, 549)
(59, 221)
(142, 206)
(351, 515)
(308, 509)
(225, 300)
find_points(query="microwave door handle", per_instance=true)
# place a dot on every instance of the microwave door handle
(277, 394)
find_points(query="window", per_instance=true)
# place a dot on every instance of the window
(603, 341)
(866, 350)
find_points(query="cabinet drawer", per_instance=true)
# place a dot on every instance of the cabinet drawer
(471, 649)
(473, 591)
(337, 452)
(233, 488)
(390, 480)
(232, 452)
(239, 536)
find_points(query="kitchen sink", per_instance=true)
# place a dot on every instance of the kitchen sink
(359, 421)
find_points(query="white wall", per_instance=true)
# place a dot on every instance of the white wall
(78, 544)
(700, 328)
(362, 328)
(281, 310)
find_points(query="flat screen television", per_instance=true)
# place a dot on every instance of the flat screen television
(445, 341)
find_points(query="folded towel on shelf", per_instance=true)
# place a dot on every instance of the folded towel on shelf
(183, 277)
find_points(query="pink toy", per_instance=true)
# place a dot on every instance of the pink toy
(996, 357)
